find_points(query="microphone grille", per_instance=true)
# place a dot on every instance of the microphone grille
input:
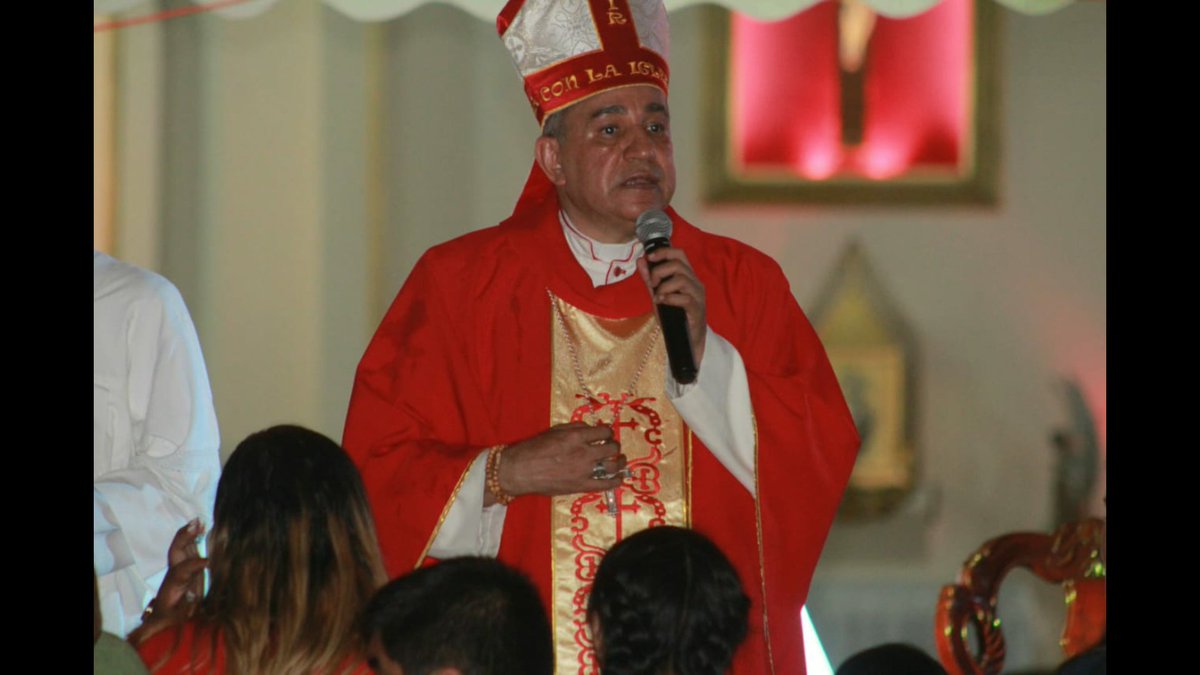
(653, 224)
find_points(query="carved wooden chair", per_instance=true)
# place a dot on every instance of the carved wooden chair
(1072, 557)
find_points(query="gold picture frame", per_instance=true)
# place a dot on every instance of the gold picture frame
(873, 381)
(874, 356)
(973, 181)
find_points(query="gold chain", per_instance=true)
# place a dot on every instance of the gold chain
(562, 323)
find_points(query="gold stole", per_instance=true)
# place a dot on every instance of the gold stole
(608, 354)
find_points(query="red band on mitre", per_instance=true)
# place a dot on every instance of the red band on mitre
(577, 60)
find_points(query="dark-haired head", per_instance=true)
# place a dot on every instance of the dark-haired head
(474, 615)
(293, 554)
(893, 658)
(667, 601)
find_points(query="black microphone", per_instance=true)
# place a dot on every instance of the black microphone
(654, 231)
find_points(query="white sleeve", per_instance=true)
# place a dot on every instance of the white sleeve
(156, 448)
(470, 528)
(717, 407)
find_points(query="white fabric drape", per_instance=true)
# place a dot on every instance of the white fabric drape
(382, 10)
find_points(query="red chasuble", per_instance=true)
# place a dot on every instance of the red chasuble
(464, 359)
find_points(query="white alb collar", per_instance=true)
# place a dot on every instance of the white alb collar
(604, 263)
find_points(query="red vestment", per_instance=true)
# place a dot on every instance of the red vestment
(461, 362)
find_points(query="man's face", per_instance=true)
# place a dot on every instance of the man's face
(614, 161)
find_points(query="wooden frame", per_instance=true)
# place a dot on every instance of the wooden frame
(874, 355)
(873, 380)
(974, 181)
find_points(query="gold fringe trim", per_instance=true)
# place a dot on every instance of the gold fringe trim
(687, 486)
(758, 532)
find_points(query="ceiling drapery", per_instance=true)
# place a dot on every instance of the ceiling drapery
(382, 10)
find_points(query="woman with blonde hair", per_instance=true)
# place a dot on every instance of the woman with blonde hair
(293, 558)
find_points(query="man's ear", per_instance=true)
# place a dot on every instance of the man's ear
(546, 151)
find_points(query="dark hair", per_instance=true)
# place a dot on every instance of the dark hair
(293, 554)
(553, 125)
(894, 658)
(472, 613)
(666, 600)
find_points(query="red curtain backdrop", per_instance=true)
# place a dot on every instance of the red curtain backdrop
(917, 92)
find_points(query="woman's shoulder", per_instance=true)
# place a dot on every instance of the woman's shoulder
(189, 647)
(194, 648)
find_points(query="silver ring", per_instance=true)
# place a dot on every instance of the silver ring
(598, 471)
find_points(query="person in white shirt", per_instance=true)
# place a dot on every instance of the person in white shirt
(155, 444)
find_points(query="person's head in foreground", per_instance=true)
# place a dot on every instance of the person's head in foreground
(292, 556)
(666, 601)
(462, 616)
(894, 658)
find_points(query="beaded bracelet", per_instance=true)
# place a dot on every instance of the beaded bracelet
(493, 475)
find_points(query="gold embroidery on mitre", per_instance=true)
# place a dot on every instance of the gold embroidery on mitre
(652, 437)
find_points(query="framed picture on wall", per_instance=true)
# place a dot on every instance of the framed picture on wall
(874, 356)
(873, 382)
(837, 104)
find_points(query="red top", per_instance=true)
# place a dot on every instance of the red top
(461, 362)
(190, 648)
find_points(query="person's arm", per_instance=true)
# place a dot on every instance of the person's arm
(557, 461)
(171, 441)
(181, 588)
(470, 528)
(418, 432)
(805, 440)
(717, 407)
